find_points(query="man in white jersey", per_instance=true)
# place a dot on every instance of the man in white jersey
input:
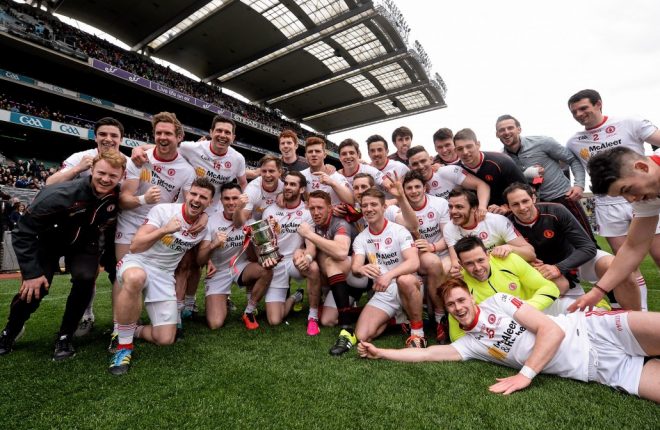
(622, 172)
(496, 231)
(385, 252)
(108, 133)
(361, 183)
(377, 148)
(350, 158)
(607, 347)
(601, 132)
(332, 235)
(261, 192)
(162, 179)
(446, 178)
(425, 217)
(296, 262)
(155, 252)
(317, 177)
(222, 244)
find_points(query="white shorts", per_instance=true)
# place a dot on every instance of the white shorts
(614, 220)
(615, 357)
(221, 282)
(159, 285)
(279, 286)
(126, 229)
(162, 313)
(351, 280)
(587, 272)
(387, 301)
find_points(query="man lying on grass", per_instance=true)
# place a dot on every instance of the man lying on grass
(607, 347)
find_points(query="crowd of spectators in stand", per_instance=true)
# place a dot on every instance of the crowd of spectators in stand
(27, 174)
(144, 66)
(30, 107)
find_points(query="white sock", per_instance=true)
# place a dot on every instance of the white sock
(417, 332)
(126, 333)
(643, 292)
(438, 316)
(189, 302)
(313, 313)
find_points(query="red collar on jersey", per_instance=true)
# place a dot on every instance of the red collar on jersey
(601, 123)
(382, 230)
(474, 322)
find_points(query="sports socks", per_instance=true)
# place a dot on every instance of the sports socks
(643, 292)
(417, 328)
(126, 333)
(189, 302)
(339, 289)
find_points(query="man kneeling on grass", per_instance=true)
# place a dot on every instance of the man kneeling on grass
(612, 348)
(156, 250)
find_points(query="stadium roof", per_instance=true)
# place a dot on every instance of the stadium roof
(331, 64)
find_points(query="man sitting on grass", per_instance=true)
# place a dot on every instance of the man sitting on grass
(611, 348)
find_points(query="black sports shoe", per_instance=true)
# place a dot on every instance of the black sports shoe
(63, 348)
(344, 343)
(6, 342)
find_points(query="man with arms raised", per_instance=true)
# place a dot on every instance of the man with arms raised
(496, 231)
(297, 262)
(622, 172)
(317, 177)
(521, 337)
(402, 140)
(155, 252)
(546, 153)
(564, 252)
(222, 244)
(385, 252)
(446, 178)
(332, 236)
(613, 214)
(497, 170)
(66, 219)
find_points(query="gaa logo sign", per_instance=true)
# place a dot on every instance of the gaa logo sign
(13, 76)
(30, 121)
(299, 213)
(69, 129)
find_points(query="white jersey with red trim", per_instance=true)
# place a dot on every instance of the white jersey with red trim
(628, 132)
(219, 169)
(387, 245)
(389, 170)
(497, 337)
(288, 221)
(494, 230)
(431, 217)
(172, 177)
(219, 223)
(259, 199)
(445, 179)
(391, 213)
(75, 159)
(167, 252)
(314, 183)
(369, 170)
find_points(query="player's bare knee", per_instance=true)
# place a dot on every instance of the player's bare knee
(215, 323)
(164, 337)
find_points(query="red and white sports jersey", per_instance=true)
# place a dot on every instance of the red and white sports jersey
(497, 337)
(369, 170)
(432, 217)
(259, 199)
(391, 213)
(76, 158)
(387, 245)
(392, 167)
(288, 221)
(314, 183)
(613, 132)
(166, 253)
(219, 169)
(172, 177)
(445, 179)
(218, 223)
(494, 230)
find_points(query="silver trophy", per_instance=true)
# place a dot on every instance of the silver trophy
(264, 241)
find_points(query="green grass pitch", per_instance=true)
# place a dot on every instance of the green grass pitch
(278, 377)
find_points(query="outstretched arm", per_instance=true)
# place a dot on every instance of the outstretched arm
(411, 355)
